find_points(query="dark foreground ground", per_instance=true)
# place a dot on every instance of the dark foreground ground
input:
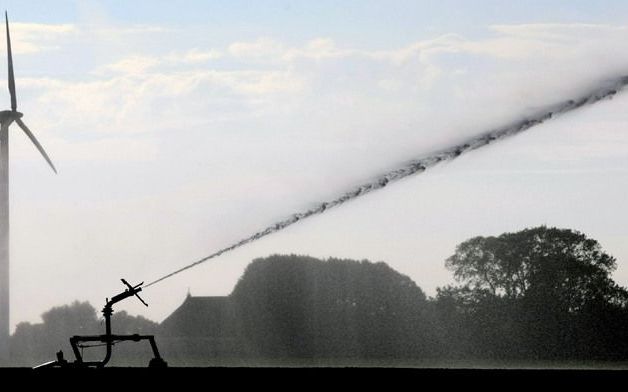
(308, 374)
(352, 363)
(405, 364)
(388, 379)
(426, 365)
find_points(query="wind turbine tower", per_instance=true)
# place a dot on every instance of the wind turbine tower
(8, 117)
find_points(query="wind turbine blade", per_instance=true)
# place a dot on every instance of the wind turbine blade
(11, 75)
(35, 142)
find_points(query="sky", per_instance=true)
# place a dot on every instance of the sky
(178, 130)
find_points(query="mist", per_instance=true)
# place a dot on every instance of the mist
(419, 165)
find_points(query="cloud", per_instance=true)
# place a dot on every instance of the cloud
(34, 38)
(30, 38)
(558, 31)
(194, 56)
(107, 32)
(39, 29)
(140, 64)
(138, 98)
(261, 48)
(512, 69)
(131, 65)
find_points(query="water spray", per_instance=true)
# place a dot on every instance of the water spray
(416, 166)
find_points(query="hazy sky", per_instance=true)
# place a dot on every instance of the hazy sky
(179, 128)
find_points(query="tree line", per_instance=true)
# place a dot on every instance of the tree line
(538, 294)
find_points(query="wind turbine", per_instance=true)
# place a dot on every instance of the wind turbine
(8, 117)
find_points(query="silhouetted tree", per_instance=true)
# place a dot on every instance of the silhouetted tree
(537, 293)
(543, 263)
(304, 307)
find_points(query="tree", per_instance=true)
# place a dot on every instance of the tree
(537, 293)
(299, 306)
(543, 264)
